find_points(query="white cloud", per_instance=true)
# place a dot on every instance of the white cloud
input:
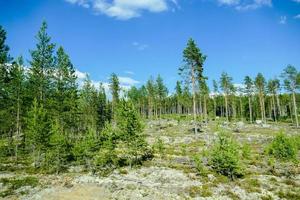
(228, 2)
(140, 46)
(80, 75)
(297, 16)
(243, 5)
(282, 20)
(297, 1)
(124, 9)
(129, 72)
(127, 81)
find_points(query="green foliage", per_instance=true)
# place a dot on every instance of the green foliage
(246, 151)
(159, 147)
(59, 150)
(225, 156)
(202, 170)
(16, 183)
(282, 147)
(38, 128)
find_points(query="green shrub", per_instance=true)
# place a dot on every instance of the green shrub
(199, 166)
(246, 151)
(16, 183)
(159, 147)
(282, 147)
(225, 155)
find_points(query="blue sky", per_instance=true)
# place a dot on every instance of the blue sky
(139, 38)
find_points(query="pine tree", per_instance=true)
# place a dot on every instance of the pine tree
(17, 110)
(292, 84)
(178, 94)
(42, 67)
(66, 92)
(162, 93)
(192, 70)
(4, 82)
(216, 91)
(226, 85)
(249, 91)
(38, 131)
(150, 86)
(260, 85)
(114, 89)
(103, 111)
(130, 129)
(88, 106)
(272, 86)
(59, 149)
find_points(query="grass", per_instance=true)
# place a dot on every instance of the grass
(15, 183)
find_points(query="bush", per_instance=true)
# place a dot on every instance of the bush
(159, 147)
(225, 155)
(282, 147)
(199, 166)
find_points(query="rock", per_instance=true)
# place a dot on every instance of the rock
(266, 125)
(76, 169)
(211, 177)
(258, 122)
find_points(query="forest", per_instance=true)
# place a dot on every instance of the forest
(49, 123)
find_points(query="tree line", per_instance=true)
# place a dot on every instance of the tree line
(256, 98)
(48, 119)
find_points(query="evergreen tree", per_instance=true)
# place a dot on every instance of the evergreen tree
(178, 90)
(4, 82)
(42, 66)
(103, 110)
(130, 129)
(66, 94)
(162, 93)
(292, 84)
(150, 86)
(114, 89)
(260, 86)
(249, 91)
(88, 106)
(216, 92)
(226, 85)
(192, 70)
(38, 131)
(59, 149)
(16, 108)
(272, 86)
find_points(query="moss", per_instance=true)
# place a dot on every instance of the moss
(295, 195)
(14, 184)
(194, 191)
(231, 195)
(251, 185)
(206, 191)
(266, 197)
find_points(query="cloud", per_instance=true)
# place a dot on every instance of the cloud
(129, 72)
(297, 16)
(243, 5)
(282, 20)
(125, 9)
(140, 46)
(80, 75)
(297, 1)
(228, 2)
(127, 81)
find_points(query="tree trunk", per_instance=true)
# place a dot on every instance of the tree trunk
(250, 109)
(226, 108)
(194, 100)
(295, 109)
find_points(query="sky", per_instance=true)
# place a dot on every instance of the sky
(137, 39)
